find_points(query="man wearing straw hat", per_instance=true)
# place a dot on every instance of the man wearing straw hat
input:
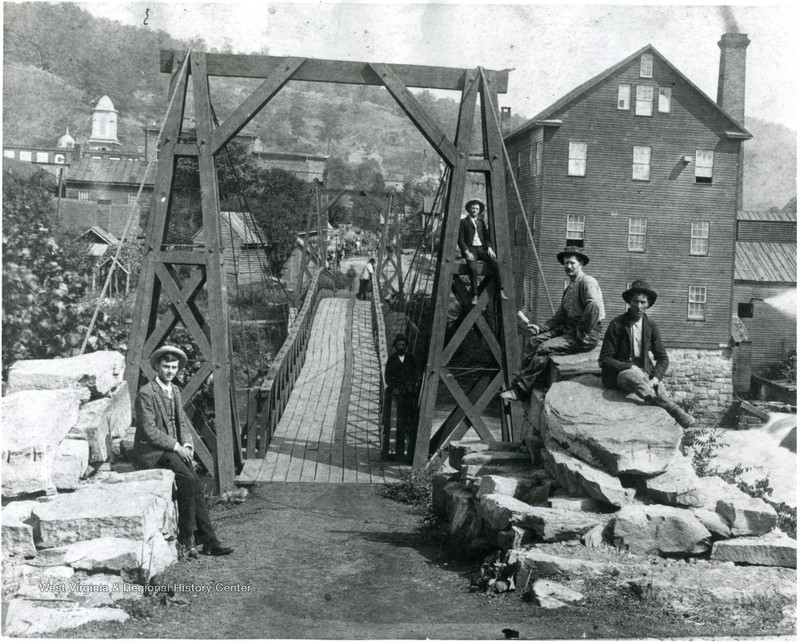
(474, 243)
(575, 327)
(625, 355)
(163, 440)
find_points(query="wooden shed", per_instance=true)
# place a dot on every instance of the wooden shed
(245, 248)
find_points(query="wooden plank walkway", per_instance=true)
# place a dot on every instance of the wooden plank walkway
(330, 430)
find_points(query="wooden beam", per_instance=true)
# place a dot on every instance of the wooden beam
(187, 315)
(426, 125)
(472, 415)
(234, 123)
(180, 257)
(335, 71)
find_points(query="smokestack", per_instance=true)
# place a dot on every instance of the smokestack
(732, 62)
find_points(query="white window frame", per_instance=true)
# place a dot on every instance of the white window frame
(83, 194)
(701, 231)
(646, 65)
(704, 166)
(578, 153)
(644, 105)
(642, 157)
(696, 310)
(624, 96)
(664, 100)
(576, 228)
(637, 234)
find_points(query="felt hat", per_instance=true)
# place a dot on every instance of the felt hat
(155, 358)
(572, 250)
(398, 338)
(642, 287)
(480, 203)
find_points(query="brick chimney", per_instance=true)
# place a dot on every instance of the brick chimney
(732, 59)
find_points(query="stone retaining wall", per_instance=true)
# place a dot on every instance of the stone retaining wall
(702, 379)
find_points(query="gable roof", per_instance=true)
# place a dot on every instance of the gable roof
(766, 262)
(552, 110)
(104, 170)
(104, 237)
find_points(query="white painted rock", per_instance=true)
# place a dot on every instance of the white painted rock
(766, 550)
(579, 478)
(677, 486)
(34, 423)
(27, 618)
(611, 431)
(660, 530)
(71, 459)
(135, 510)
(554, 590)
(99, 372)
(747, 515)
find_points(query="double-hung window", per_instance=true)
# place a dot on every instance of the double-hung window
(624, 97)
(641, 163)
(644, 100)
(697, 302)
(637, 234)
(577, 158)
(576, 227)
(699, 245)
(664, 100)
(703, 166)
(646, 66)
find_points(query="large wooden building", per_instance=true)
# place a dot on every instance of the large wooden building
(643, 170)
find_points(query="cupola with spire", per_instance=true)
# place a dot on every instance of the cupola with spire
(66, 140)
(104, 125)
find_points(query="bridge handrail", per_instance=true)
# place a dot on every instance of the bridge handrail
(379, 336)
(285, 368)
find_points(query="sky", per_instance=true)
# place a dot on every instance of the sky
(551, 48)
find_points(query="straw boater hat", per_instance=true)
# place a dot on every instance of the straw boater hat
(155, 358)
(642, 287)
(572, 250)
(480, 203)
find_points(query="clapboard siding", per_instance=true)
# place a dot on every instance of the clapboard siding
(608, 197)
(773, 327)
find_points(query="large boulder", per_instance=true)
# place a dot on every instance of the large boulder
(71, 459)
(102, 420)
(579, 478)
(17, 532)
(766, 550)
(34, 424)
(539, 562)
(549, 594)
(677, 486)
(136, 510)
(28, 618)
(747, 515)
(460, 508)
(99, 372)
(660, 530)
(609, 430)
(569, 366)
(532, 491)
(499, 512)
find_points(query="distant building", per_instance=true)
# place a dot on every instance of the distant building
(765, 287)
(245, 248)
(104, 126)
(305, 163)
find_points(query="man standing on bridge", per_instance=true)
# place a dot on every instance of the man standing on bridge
(366, 279)
(575, 327)
(474, 243)
(625, 355)
(163, 440)
(401, 386)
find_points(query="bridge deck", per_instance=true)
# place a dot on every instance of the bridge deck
(330, 430)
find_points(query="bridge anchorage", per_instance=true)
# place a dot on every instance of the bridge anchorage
(184, 286)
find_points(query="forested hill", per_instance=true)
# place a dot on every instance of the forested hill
(59, 60)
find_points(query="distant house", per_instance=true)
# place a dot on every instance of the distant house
(245, 248)
(102, 246)
(765, 285)
(304, 162)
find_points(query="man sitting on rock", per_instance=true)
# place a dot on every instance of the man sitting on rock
(575, 327)
(625, 356)
(163, 440)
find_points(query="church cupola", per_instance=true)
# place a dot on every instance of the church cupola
(66, 140)
(104, 125)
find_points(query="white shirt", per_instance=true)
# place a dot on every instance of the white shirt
(476, 240)
(166, 387)
(636, 332)
(366, 273)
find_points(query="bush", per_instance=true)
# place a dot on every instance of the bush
(786, 370)
(415, 487)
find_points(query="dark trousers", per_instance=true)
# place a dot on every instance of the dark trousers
(480, 254)
(363, 289)
(405, 429)
(193, 518)
(540, 348)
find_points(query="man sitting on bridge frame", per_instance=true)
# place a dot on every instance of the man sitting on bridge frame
(474, 243)
(575, 327)
(163, 440)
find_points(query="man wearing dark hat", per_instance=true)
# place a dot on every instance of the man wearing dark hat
(365, 280)
(164, 440)
(474, 243)
(575, 327)
(401, 386)
(625, 355)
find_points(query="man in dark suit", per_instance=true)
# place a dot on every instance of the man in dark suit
(625, 356)
(163, 440)
(401, 386)
(474, 243)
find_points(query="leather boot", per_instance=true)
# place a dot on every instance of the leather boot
(683, 418)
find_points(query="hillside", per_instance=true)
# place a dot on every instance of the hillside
(59, 60)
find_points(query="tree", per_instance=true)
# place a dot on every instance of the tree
(791, 206)
(41, 291)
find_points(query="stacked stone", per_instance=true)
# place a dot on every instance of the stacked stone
(703, 376)
(74, 546)
(602, 468)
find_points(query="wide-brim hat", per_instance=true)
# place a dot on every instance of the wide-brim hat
(398, 338)
(475, 200)
(572, 250)
(155, 358)
(642, 287)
